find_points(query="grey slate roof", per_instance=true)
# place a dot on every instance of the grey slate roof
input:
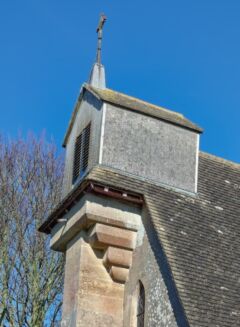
(200, 237)
(131, 103)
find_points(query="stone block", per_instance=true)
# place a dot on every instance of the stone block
(91, 210)
(101, 236)
(119, 274)
(117, 257)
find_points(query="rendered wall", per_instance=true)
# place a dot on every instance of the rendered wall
(136, 144)
(145, 267)
(89, 111)
(150, 148)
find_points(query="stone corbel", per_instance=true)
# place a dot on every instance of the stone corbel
(110, 226)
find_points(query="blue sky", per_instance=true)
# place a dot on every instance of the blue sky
(182, 55)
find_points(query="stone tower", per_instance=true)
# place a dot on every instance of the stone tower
(100, 226)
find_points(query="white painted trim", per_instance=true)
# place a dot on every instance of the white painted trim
(197, 163)
(102, 132)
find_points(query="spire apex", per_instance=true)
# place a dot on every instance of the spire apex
(101, 23)
(97, 77)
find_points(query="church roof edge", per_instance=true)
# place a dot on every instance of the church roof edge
(134, 104)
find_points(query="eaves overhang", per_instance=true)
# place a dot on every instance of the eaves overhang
(87, 186)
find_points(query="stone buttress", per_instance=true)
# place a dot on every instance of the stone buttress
(98, 235)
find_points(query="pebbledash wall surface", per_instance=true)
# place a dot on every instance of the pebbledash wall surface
(149, 148)
(137, 143)
(146, 268)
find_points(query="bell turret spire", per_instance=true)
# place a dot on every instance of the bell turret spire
(97, 77)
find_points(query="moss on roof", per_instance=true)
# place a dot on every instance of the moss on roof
(125, 101)
(131, 103)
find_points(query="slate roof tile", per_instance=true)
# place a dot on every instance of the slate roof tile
(135, 104)
(125, 101)
(200, 236)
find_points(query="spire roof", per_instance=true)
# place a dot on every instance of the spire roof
(97, 76)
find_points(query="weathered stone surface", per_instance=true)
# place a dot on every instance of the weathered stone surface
(113, 212)
(117, 257)
(102, 236)
(88, 288)
(89, 210)
(93, 295)
(88, 318)
(71, 282)
(119, 274)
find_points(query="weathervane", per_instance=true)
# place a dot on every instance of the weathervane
(102, 20)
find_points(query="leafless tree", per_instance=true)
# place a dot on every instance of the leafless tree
(31, 275)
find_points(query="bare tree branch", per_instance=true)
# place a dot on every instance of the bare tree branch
(31, 276)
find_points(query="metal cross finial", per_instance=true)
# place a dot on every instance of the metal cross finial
(102, 20)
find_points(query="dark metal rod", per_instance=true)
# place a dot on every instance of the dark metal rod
(102, 20)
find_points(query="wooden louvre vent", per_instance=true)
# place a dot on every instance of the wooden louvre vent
(81, 153)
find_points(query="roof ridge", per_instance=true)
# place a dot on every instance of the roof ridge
(143, 102)
(219, 159)
(136, 104)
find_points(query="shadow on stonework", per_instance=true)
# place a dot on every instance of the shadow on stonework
(165, 271)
